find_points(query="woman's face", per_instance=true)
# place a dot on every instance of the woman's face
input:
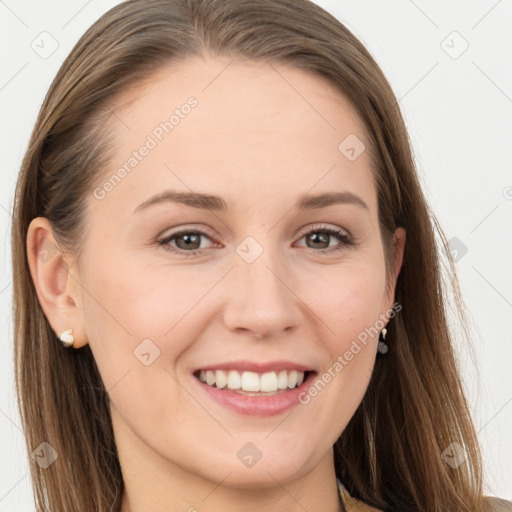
(239, 285)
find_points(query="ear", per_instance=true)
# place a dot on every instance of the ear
(57, 290)
(399, 238)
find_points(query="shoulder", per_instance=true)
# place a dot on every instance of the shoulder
(491, 504)
(352, 504)
(497, 504)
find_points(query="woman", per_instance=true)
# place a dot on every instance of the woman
(182, 343)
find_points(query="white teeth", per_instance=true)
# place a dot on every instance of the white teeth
(292, 379)
(220, 379)
(251, 381)
(268, 382)
(234, 380)
(282, 380)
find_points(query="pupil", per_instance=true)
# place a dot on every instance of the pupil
(189, 239)
(316, 236)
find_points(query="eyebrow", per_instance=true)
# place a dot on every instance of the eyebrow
(216, 203)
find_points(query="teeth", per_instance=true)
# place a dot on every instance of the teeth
(252, 381)
(210, 378)
(282, 380)
(268, 381)
(292, 379)
(234, 380)
(220, 379)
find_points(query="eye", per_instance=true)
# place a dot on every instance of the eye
(187, 241)
(327, 232)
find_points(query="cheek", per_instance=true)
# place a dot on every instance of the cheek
(137, 328)
(350, 306)
(142, 301)
(132, 309)
(350, 300)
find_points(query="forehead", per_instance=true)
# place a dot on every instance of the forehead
(240, 125)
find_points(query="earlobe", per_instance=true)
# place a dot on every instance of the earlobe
(54, 288)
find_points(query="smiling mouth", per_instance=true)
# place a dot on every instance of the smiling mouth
(253, 383)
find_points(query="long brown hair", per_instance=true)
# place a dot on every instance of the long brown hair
(390, 454)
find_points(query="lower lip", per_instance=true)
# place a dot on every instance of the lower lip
(257, 405)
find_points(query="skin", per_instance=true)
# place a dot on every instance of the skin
(258, 143)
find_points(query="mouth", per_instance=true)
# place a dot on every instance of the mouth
(251, 383)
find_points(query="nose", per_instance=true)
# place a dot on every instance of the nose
(260, 300)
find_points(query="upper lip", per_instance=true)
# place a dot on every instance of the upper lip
(253, 366)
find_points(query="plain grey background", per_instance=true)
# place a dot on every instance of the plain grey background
(449, 64)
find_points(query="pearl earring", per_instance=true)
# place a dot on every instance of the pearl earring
(382, 348)
(67, 338)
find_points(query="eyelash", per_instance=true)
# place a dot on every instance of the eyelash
(346, 240)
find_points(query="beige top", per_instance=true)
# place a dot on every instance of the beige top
(353, 505)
